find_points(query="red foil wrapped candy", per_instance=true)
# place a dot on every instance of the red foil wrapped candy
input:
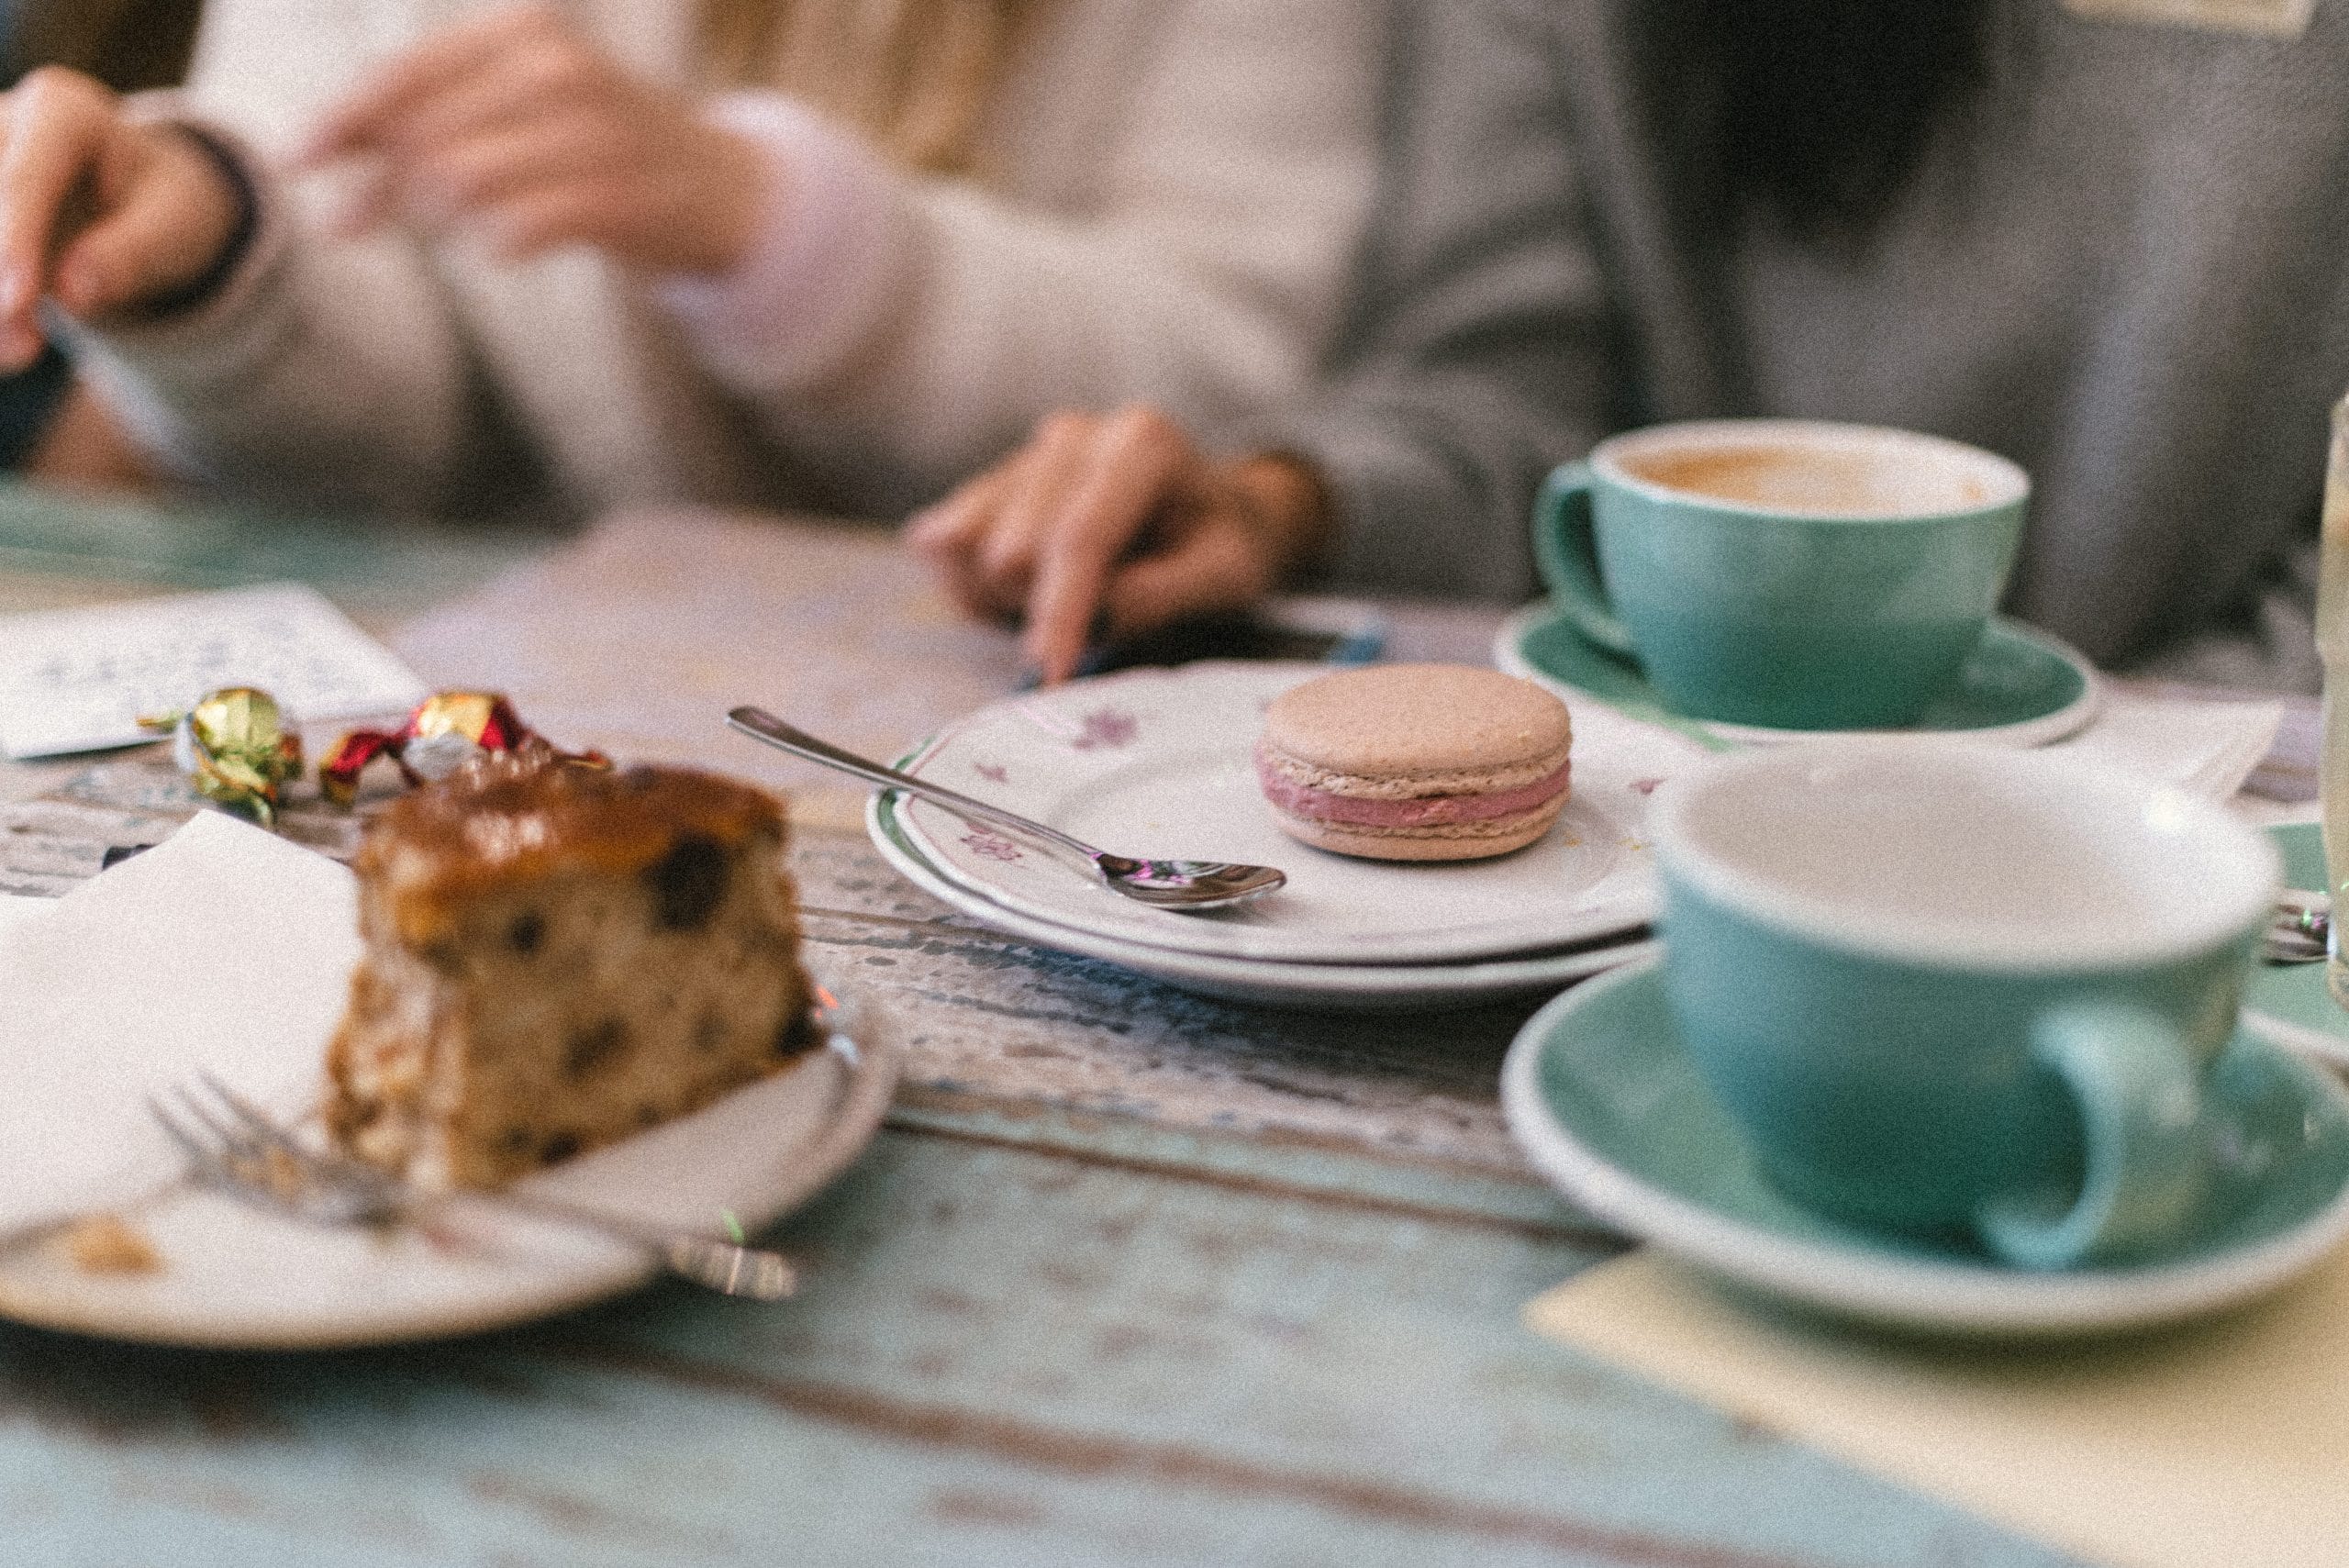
(448, 730)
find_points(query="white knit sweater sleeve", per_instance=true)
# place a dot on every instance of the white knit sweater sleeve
(1194, 256)
(1204, 275)
(324, 373)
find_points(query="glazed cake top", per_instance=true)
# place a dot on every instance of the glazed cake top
(1396, 720)
(509, 820)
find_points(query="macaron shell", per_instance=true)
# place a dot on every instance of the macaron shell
(1386, 721)
(1474, 800)
(1453, 842)
(1272, 763)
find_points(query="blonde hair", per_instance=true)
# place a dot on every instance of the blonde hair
(917, 76)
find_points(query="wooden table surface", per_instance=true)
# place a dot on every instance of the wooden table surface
(1130, 1276)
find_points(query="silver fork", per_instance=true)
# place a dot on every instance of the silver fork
(233, 1147)
(2301, 929)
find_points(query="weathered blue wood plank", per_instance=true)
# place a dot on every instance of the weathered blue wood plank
(1003, 1356)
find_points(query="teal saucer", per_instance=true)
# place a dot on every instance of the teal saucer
(2020, 688)
(1604, 1100)
(2289, 1003)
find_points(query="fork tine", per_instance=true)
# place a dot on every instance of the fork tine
(179, 1135)
(202, 1157)
(232, 1143)
(233, 1147)
(317, 1164)
(251, 1117)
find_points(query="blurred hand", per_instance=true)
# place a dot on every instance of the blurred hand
(102, 215)
(1117, 520)
(515, 127)
(85, 447)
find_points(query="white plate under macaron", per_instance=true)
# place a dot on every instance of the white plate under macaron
(1160, 762)
(1327, 988)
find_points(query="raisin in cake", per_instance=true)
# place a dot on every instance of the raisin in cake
(557, 957)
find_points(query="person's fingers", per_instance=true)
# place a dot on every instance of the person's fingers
(163, 231)
(952, 526)
(1138, 463)
(368, 207)
(1055, 460)
(586, 211)
(439, 65)
(1213, 566)
(501, 165)
(526, 83)
(948, 536)
(57, 121)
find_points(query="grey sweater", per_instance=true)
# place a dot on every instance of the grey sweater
(2127, 269)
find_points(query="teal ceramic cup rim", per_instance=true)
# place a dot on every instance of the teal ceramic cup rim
(2005, 483)
(1852, 610)
(2203, 878)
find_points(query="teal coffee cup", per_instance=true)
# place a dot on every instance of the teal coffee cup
(1944, 990)
(1791, 574)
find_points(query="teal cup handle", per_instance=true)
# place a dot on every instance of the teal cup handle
(2136, 1086)
(1565, 546)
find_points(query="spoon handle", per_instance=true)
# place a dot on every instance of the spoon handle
(761, 725)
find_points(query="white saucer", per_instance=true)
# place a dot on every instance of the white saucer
(1160, 761)
(1603, 1099)
(239, 1278)
(1329, 987)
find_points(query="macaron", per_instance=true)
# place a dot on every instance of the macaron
(1415, 762)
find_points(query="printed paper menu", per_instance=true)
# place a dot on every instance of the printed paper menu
(79, 680)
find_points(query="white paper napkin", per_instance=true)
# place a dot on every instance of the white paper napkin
(224, 949)
(2206, 747)
(77, 680)
(2221, 1444)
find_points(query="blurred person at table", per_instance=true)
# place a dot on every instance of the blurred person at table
(429, 255)
(2109, 246)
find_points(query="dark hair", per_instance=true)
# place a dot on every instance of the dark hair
(1815, 112)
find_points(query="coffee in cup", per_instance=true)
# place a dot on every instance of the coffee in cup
(1792, 574)
(1944, 989)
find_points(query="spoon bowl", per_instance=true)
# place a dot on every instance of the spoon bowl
(1179, 885)
(1186, 884)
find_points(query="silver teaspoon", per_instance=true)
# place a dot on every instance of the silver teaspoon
(1164, 884)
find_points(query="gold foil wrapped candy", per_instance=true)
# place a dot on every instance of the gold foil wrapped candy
(238, 747)
(446, 731)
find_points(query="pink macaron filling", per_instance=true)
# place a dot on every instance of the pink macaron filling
(1421, 811)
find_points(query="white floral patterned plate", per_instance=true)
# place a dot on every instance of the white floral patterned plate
(1320, 987)
(1159, 763)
